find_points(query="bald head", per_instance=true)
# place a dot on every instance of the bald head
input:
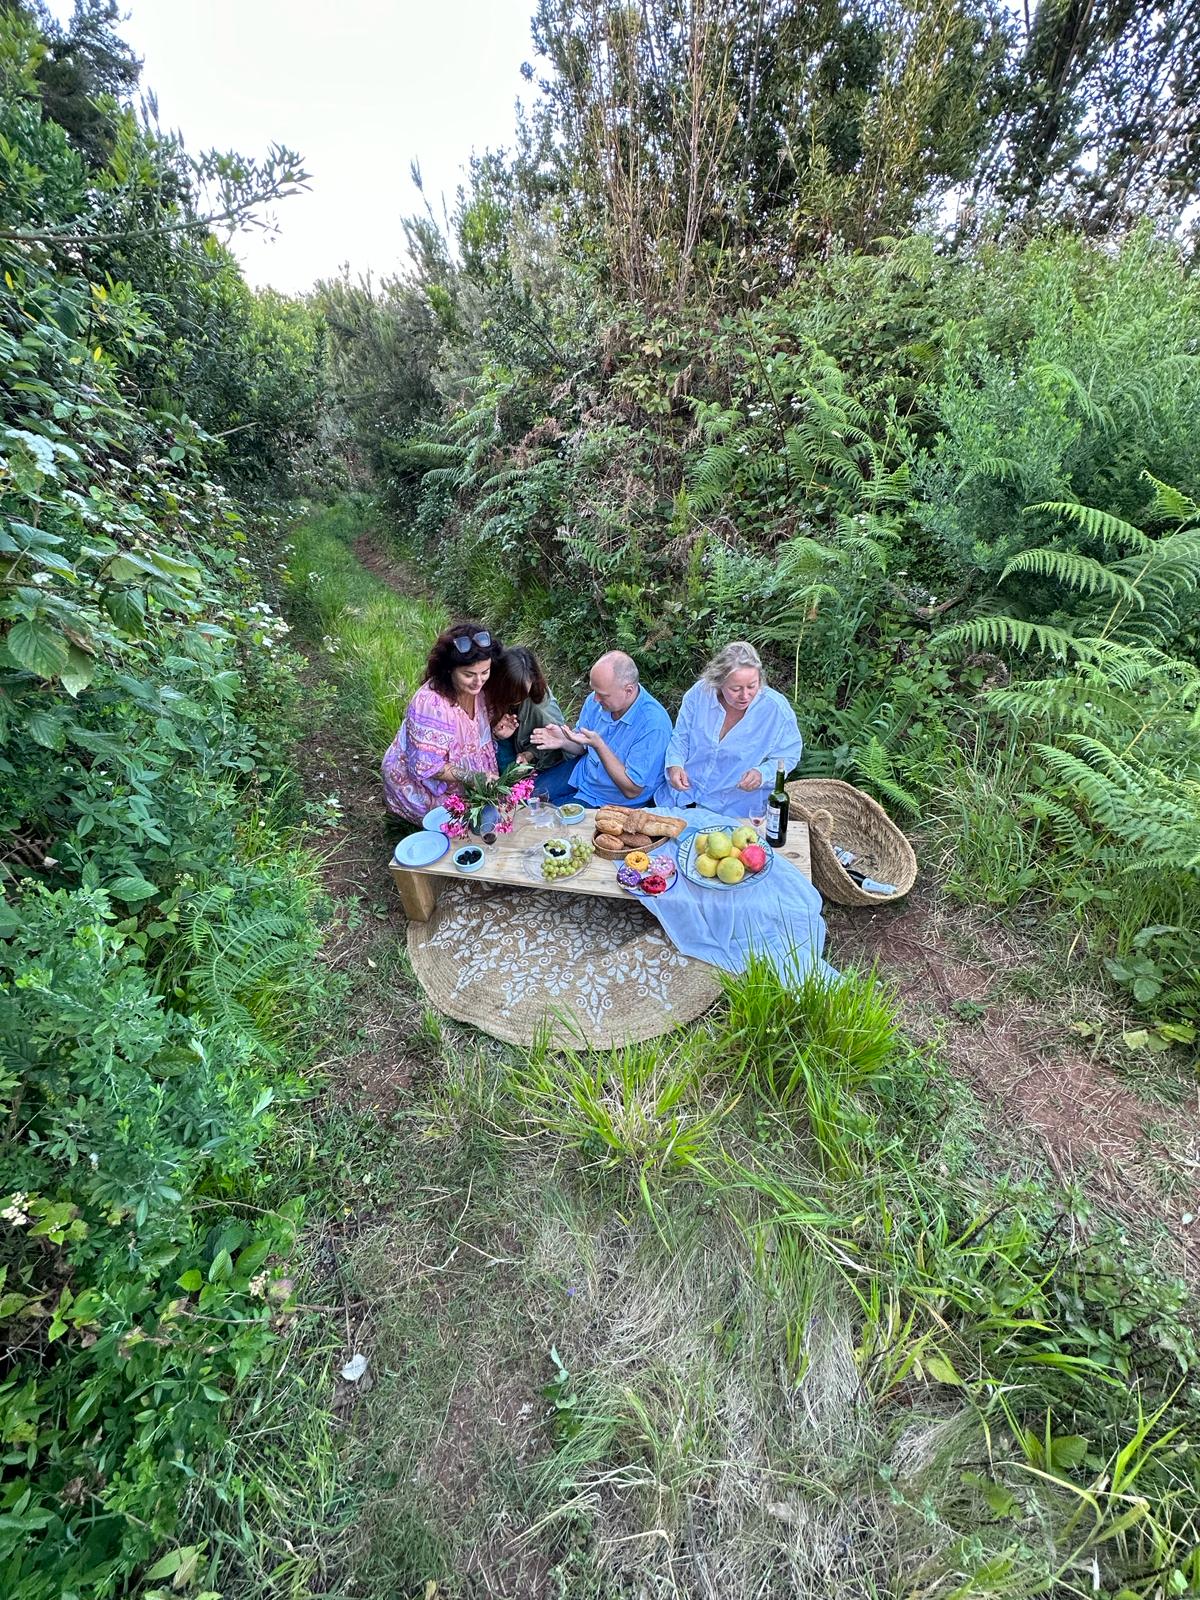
(614, 680)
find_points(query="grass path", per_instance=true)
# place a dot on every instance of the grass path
(753, 1390)
(1121, 1123)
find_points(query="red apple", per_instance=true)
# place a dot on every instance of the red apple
(754, 858)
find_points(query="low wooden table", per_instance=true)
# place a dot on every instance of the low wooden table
(504, 862)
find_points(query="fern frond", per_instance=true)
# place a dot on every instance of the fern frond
(1065, 826)
(1004, 468)
(1081, 573)
(1170, 504)
(874, 768)
(1099, 416)
(1015, 633)
(452, 476)
(1144, 807)
(1100, 525)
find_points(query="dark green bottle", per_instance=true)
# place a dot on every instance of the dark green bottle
(778, 806)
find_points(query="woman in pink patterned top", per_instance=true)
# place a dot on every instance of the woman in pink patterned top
(446, 730)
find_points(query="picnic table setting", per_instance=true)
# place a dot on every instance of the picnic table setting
(611, 924)
(593, 880)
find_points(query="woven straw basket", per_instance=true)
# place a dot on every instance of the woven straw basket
(838, 813)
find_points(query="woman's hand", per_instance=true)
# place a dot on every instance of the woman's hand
(678, 779)
(505, 727)
(751, 780)
(525, 758)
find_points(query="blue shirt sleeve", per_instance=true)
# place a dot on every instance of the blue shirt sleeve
(680, 743)
(643, 760)
(785, 741)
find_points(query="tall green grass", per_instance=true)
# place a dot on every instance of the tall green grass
(377, 638)
(847, 1314)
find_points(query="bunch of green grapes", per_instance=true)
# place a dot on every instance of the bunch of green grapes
(581, 852)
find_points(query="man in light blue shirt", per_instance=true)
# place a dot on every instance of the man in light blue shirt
(620, 740)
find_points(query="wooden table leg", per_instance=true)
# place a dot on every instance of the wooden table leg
(418, 893)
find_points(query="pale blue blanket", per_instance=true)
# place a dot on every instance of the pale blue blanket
(778, 916)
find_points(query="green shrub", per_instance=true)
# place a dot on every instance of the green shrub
(117, 1275)
(158, 965)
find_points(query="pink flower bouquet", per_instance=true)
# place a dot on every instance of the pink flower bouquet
(487, 804)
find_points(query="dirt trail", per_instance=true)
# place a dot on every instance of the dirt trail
(372, 550)
(1003, 1023)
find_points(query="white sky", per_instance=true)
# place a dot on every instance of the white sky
(358, 87)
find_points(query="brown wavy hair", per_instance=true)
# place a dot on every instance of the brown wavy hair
(444, 657)
(516, 676)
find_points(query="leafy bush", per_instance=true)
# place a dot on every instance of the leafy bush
(158, 961)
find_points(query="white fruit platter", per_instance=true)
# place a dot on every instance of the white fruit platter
(724, 858)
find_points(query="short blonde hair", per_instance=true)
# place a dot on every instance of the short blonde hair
(732, 658)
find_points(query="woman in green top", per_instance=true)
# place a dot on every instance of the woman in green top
(517, 686)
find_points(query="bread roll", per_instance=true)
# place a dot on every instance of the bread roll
(625, 819)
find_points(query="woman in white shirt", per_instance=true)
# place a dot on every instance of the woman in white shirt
(730, 733)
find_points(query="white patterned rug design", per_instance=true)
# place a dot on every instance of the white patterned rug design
(596, 972)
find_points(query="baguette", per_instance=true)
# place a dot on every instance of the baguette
(624, 819)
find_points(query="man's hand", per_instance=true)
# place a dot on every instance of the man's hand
(678, 779)
(505, 727)
(751, 780)
(587, 737)
(552, 737)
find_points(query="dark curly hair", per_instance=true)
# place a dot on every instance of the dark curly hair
(516, 677)
(445, 655)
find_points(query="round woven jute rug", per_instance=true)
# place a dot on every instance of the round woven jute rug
(591, 972)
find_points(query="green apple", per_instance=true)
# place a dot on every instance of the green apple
(701, 844)
(731, 871)
(744, 836)
(706, 866)
(719, 844)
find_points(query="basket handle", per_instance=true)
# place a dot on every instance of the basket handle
(819, 819)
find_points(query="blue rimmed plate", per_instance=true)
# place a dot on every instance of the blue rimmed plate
(433, 819)
(689, 869)
(421, 849)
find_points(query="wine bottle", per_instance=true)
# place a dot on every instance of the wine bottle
(871, 885)
(778, 806)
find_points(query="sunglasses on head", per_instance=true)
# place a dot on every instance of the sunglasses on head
(464, 641)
